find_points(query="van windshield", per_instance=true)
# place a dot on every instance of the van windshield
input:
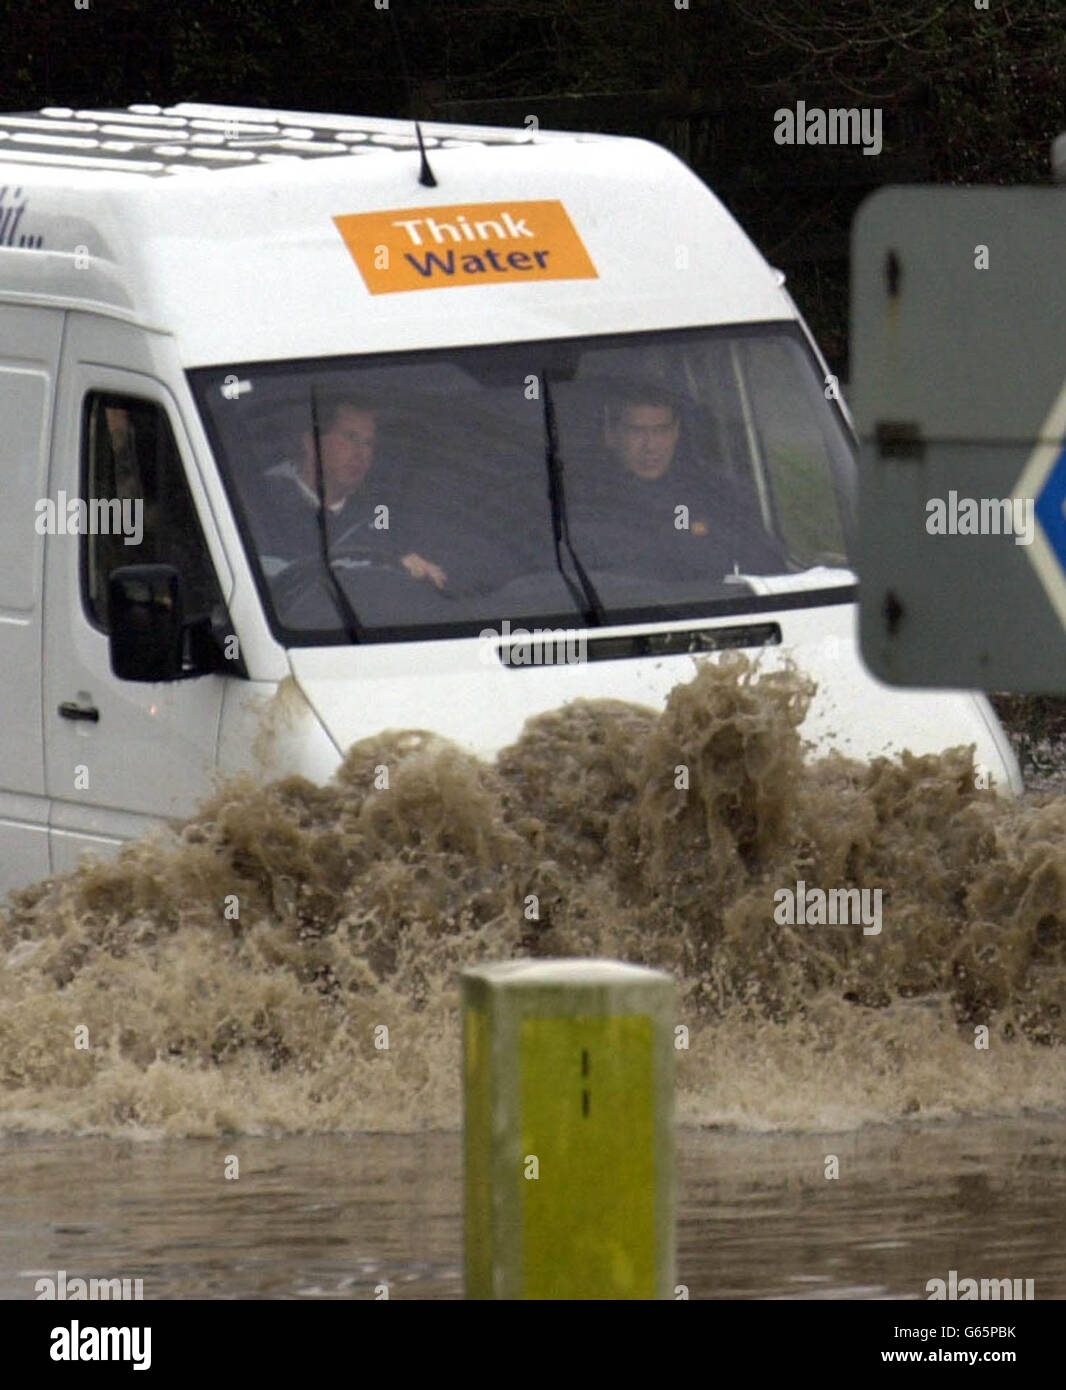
(576, 481)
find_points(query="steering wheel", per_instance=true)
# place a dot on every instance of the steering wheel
(379, 586)
(301, 577)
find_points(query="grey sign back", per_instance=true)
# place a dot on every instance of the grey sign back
(958, 388)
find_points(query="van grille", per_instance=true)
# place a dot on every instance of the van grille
(561, 649)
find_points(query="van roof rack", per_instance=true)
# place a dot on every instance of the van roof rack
(194, 137)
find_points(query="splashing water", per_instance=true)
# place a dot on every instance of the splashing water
(243, 971)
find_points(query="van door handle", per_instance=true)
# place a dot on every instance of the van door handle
(69, 710)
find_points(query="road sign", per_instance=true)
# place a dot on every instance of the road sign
(1044, 479)
(959, 396)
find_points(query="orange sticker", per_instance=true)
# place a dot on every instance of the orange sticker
(465, 244)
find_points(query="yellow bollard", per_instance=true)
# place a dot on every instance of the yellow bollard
(569, 1094)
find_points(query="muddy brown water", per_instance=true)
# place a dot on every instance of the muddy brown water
(222, 989)
(359, 1216)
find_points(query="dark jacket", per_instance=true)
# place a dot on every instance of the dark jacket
(285, 522)
(632, 525)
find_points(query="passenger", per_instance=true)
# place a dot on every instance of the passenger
(285, 507)
(654, 511)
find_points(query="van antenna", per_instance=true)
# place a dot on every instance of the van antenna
(425, 174)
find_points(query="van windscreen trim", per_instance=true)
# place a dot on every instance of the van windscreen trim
(682, 430)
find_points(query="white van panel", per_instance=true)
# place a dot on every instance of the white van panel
(451, 688)
(68, 846)
(29, 355)
(271, 730)
(248, 265)
(151, 749)
(24, 841)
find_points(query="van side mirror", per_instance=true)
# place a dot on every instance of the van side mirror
(145, 610)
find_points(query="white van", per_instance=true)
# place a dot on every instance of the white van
(542, 381)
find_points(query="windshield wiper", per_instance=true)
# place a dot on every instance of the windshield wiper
(347, 612)
(586, 598)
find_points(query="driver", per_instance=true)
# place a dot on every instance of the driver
(286, 523)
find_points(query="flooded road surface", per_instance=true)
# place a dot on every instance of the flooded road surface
(338, 1217)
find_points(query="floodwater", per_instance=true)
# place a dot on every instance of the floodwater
(372, 1215)
(270, 990)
